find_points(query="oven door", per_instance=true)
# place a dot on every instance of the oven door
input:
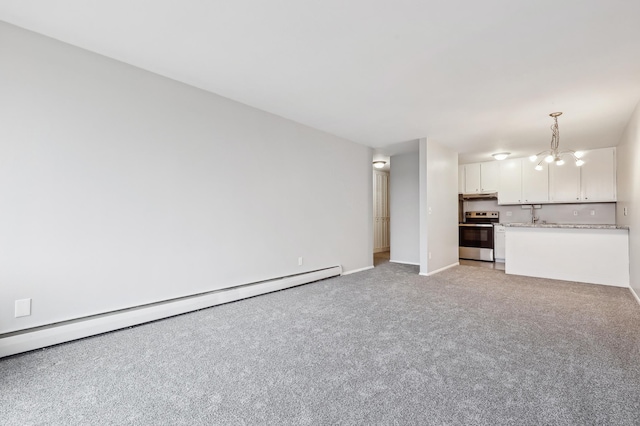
(476, 241)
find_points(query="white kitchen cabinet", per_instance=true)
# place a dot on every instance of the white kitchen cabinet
(564, 183)
(479, 177)
(535, 183)
(521, 183)
(595, 181)
(598, 180)
(489, 176)
(510, 188)
(499, 246)
(472, 183)
(518, 182)
(461, 179)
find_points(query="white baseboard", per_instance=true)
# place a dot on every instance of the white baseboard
(634, 294)
(439, 270)
(404, 263)
(353, 271)
(40, 337)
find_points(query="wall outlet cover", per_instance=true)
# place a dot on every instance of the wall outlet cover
(23, 308)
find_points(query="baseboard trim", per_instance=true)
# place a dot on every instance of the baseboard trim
(381, 250)
(48, 335)
(353, 271)
(634, 294)
(404, 263)
(439, 270)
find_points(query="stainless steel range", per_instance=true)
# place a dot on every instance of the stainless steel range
(476, 235)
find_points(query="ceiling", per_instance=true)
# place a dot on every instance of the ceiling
(477, 76)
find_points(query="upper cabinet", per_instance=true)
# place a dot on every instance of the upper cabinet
(510, 190)
(490, 176)
(594, 181)
(518, 182)
(598, 175)
(477, 178)
(535, 183)
(564, 183)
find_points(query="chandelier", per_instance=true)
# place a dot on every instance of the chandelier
(554, 155)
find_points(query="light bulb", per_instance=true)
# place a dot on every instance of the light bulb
(533, 158)
(579, 154)
(559, 162)
(548, 158)
(579, 163)
(501, 155)
(538, 167)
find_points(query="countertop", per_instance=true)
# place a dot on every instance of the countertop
(563, 225)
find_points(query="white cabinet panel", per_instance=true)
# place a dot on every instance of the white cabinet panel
(535, 183)
(521, 183)
(510, 184)
(595, 181)
(477, 178)
(499, 243)
(599, 175)
(564, 183)
(489, 176)
(472, 178)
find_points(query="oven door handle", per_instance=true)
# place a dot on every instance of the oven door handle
(477, 225)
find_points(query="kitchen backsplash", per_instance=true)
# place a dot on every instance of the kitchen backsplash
(592, 213)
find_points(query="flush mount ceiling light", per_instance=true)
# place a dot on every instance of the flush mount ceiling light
(500, 155)
(554, 155)
(379, 164)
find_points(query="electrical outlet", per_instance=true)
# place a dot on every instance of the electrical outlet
(575, 212)
(300, 261)
(509, 213)
(592, 212)
(23, 308)
(624, 210)
(429, 255)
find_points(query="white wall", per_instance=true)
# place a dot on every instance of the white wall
(628, 175)
(438, 207)
(404, 199)
(604, 213)
(120, 187)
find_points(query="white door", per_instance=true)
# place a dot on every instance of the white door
(472, 178)
(599, 175)
(510, 185)
(380, 211)
(535, 183)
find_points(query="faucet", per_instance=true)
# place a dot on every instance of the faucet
(534, 219)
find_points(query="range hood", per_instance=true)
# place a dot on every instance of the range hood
(481, 196)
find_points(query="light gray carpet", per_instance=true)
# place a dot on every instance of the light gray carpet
(385, 346)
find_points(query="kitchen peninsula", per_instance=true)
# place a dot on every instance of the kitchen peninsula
(596, 254)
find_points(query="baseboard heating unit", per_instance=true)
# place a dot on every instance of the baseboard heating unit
(52, 334)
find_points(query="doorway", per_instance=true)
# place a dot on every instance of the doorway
(381, 216)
